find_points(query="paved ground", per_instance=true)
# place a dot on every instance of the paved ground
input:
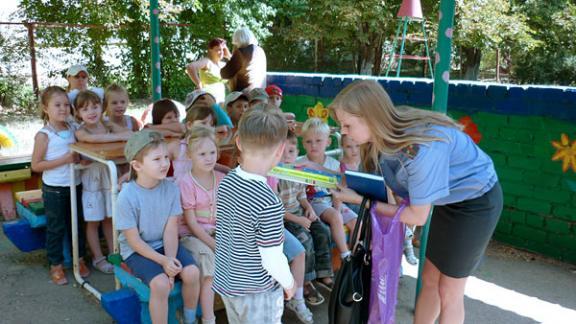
(509, 287)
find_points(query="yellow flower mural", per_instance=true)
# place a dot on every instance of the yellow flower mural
(319, 111)
(565, 152)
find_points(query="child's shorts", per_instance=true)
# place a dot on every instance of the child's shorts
(322, 205)
(96, 195)
(265, 307)
(292, 247)
(202, 253)
(146, 269)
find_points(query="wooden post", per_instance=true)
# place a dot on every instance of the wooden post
(31, 43)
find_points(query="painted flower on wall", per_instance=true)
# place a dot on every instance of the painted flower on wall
(565, 152)
(318, 111)
(471, 128)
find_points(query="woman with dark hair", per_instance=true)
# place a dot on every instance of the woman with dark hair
(246, 69)
(205, 73)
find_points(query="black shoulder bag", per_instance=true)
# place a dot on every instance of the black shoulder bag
(350, 297)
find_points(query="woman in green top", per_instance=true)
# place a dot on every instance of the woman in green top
(205, 73)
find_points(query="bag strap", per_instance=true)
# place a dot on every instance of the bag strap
(359, 224)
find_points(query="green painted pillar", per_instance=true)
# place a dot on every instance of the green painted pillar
(155, 44)
(439, 96)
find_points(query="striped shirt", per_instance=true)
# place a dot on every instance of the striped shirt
(249, 217)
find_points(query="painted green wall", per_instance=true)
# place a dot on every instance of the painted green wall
(540, 204)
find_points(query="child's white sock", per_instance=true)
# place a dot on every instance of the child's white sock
(189, 315)
(299, 293)
(344, 255)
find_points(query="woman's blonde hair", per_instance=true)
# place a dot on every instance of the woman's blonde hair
(392, 128)
(197, 133)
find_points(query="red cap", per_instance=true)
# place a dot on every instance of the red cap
(274, 90)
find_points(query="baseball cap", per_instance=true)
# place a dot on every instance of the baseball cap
(138, 141)
(258, 94)
(192, 96)
(75, 69)
(233, 96)
(274, 90)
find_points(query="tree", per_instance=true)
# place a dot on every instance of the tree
(553, 61)
(488, 24)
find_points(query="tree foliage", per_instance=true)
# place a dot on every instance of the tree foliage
(334, 36)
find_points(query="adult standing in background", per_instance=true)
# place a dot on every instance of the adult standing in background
(77, 77)
(246, 69)
(427, 161)
(205, 72)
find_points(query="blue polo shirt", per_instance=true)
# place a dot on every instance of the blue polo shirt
(442, 172)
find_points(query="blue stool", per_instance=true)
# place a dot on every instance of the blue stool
(143, 291)
(23, 236)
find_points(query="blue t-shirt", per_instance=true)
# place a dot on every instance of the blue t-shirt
(440, 172)
(148, 210)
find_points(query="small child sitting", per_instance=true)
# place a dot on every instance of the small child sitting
(198, 194)
(148, 211)
(316, 138)
(302, 221)
(250, 265)
(236, 104)
(166, 119)
(275, 98)
(223, 122)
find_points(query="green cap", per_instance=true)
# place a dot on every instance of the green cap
(138, 141)
(258, 94)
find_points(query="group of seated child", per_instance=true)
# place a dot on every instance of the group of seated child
(253, 239)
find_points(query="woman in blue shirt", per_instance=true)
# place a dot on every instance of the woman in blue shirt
(427, 161)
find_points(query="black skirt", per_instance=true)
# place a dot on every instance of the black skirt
(460, 232)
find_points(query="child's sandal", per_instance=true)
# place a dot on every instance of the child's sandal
(103, 265)
(326, 285)
(58, 276)
(312, 296)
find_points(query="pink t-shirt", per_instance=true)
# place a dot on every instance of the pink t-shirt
(202, 201)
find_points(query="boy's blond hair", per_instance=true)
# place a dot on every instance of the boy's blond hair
(315, 125)
(261, 129)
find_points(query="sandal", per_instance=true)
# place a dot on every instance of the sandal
(103, 265)
(326, 285)
(83, 268)
(58, 276)
(312, 296)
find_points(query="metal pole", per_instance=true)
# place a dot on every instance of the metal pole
(393, 51)
(439, 97)
(155, 44)
(406, 19)
(31, 45)
(427, 49)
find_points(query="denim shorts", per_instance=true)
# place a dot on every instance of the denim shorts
(146, 269)
(292, 247)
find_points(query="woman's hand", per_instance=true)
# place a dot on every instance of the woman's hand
(346, 195)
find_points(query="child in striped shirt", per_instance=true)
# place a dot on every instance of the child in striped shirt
(251, 270)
